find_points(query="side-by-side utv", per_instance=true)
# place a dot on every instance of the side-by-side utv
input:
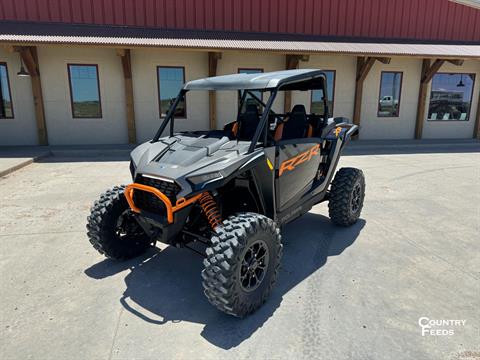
(231, 190)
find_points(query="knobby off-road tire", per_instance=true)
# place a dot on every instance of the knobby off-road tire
(228, 281)
(346, 196)
(111, 228)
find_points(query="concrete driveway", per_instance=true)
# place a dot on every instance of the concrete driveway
(354, 293)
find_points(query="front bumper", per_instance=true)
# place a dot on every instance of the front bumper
(164, 226)
(171, 209)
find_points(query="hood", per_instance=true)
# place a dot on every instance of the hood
(185, 155)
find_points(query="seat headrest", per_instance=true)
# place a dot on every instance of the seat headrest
(299, 108)
(251, 108)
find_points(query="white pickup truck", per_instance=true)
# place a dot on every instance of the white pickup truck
(388, 101)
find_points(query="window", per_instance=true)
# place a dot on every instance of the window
(259, 94)
(6, 108)
(316, 105)
(170, 82)
(390, 89)
(84, 91)
(451, 96)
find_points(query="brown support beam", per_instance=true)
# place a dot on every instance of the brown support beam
(365, 68)
(291, 63)
(9, 48)
(364, 65)
(30, 59)
(129, 103)
(476, 130)
(213, 58)
(422, 98)
(457, 62)
(384, 60)
(437, 64)
(427, 74)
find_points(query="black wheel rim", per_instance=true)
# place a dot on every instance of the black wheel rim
(127, 227)
(356, 198)
(254, 266)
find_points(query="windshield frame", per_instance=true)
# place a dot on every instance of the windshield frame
(263, 123)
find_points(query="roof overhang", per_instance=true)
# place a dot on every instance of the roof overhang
(291, 47)
(471, 3)
(18, 33)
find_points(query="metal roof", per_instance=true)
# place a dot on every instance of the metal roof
(421, 20)
(258, 81)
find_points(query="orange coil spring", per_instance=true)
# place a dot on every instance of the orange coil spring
(210, 208)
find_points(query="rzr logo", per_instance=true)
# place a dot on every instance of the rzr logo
(290, 164)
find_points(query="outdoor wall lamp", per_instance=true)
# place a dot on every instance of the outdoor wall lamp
(22, 72)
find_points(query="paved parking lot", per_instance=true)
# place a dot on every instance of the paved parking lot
(343, 293)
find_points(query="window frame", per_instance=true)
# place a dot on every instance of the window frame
(9, 91)
(333, 91)
(71, 92)
(399, 94)
(158, 90)
(471, 97)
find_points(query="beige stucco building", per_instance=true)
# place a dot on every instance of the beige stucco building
(111, 128)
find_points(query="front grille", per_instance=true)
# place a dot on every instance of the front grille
(148, 201)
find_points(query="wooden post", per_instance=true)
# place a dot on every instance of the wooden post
(476, 130)
(364, 65)
(427, 73)
(422, 97)
(291, 63)
(30, 59)
(129, 103)
(213, 58)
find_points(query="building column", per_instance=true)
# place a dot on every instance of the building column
(476, 130)
(213, 58)
(29, 57)
(129, 103)
(364, 65)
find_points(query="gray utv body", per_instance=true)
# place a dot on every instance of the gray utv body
(243, 174)
(226, 193)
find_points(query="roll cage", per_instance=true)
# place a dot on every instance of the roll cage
(292, 81)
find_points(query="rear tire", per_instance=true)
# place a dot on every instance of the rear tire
(346, 196)
(112, 230)
(242, 263)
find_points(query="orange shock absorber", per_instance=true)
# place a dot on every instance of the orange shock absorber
(210, 208)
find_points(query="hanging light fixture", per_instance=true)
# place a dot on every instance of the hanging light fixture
(461, 84)
(22, 72)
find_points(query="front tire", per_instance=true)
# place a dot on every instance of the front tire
(112, 230)
(242, 263)
(346, 196)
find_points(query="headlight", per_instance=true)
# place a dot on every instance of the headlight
(204, 178)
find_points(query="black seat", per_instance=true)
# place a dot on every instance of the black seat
(248, 123)
(296, 125)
